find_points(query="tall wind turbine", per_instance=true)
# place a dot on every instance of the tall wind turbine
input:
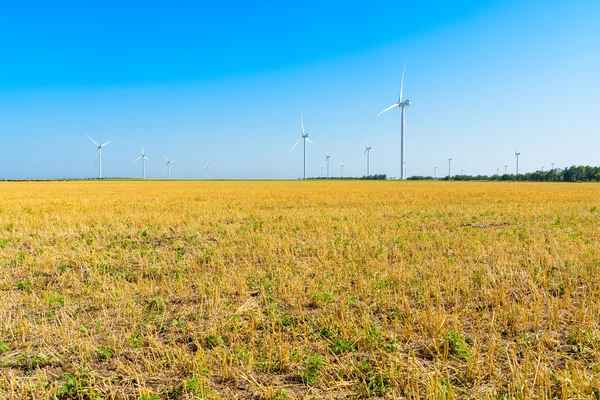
(517, 154)
(449, 161)
(342, 170)
(168, 165)
(401, 104)
(327, 157)
(368, 153)
(206, 170)
(144, 158)
(434, 168)
(99, 154)
(303, 137)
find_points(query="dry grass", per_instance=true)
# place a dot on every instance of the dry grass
(272, 290)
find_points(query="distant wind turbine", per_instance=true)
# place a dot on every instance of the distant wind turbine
(449, 161)
(144, 158)
(434, 169)
(552, 164)
(99, 154)
(517, 154)
(321, 175)
(168, 165)
(206, 170)
(368, 153)
(304, 138)
(505, 169)
(400, 106)
(342, 165)
(327, 157)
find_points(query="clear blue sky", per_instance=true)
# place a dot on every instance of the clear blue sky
(227, 83)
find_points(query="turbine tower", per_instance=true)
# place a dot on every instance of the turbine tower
(99, 155)
(401, 104)
(552, 163)
(368, 153)
(342, 170)
(434, 168)
(327, 157)
(304, 138)
(449, 161)
(206, 170)
(517, 154)
(168, 165)
(144, 158)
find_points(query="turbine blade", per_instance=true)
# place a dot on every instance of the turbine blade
(388, 109)
(310, 141)
(147, 158)
(295, 145)
(366, 143)
(136, 160)
(402, 84)
(106, 143)
(166, 157)
(92, 140)
(363, 157)
(302, 122)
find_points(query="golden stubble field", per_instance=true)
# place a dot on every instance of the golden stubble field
(273, 290)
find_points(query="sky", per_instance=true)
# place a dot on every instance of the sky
(226, 84)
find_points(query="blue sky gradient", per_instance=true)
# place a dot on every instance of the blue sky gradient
(227, 83)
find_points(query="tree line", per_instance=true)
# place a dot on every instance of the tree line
(575, 173)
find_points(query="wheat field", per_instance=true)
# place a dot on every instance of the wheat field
(299, 290)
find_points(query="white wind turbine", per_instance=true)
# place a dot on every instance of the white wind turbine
(304, 138)
(449, 161)
(368, 153)
(144, 158)
(206, 170)
(168, 165)
(99, 154)
(327, 157)
(517, 154)
(401, 104)
(342, 165)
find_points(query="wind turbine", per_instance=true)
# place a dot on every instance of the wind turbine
(401, 104)
(99, 154)
(449, 161)
(206, 170)
(168, 165)
(505, 169)
(517, 154)
(144, 158)
(342, 170)
(321, 175)
(434, 168)
(327, 157)
(368, 153)
(304, 138)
